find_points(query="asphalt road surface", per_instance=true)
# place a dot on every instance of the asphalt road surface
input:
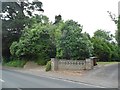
(109, 72)
(13, 79)
(106, 75)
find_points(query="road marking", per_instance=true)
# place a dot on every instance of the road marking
(68, 80)
(2, 80)
(76, 82)
(19, 88)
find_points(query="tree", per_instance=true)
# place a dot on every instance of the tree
(117, 22)
(57, 19)
(104, 48)
(103, 35)
(17, 17)
(118, 31)
(35, 42)
(114, 51)
(72, 43)
(113, 17)
(101, 49)
(55, 33)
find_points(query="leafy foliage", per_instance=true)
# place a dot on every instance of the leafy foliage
(72, 43)
(103, 35)
(101, 49)
(17, 15)
(39, 40)
(48, 66)
(16, 63)
(34, 42)
(118, 35)
(104, 49)
(57, 19)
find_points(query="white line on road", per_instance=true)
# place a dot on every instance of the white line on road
(67, 80)
(2, 80)
(19, 89)
(71, 81)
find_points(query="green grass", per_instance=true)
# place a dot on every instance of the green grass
(106, 63)
(16, 63)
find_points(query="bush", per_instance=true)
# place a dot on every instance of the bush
(48, 66)
(34, 41)
(42, 59)
(16, 63)
(41, 62)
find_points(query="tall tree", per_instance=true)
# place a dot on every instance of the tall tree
(34, 42)
(58, 18)
(117, 22)
(104, 49)
(118, 31)
(103, 35)
(16, 16)
(73, 44)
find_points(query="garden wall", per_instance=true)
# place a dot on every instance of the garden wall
(62, 64)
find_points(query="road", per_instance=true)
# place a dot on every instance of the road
(97, 78)
(13, 79)
(105, 75)
(109, 72)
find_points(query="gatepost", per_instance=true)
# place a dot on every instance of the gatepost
(88, 64)
(54, 64)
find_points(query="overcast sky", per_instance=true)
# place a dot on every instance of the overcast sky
(92, 14)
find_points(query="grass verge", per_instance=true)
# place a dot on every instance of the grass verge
(15, 63)
(106, 63)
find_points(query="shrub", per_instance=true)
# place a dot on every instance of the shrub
(41, 62)
(34, 41)
(48, 66)
(42, 59)
(16, 63)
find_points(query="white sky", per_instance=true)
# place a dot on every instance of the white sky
(92, 14)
